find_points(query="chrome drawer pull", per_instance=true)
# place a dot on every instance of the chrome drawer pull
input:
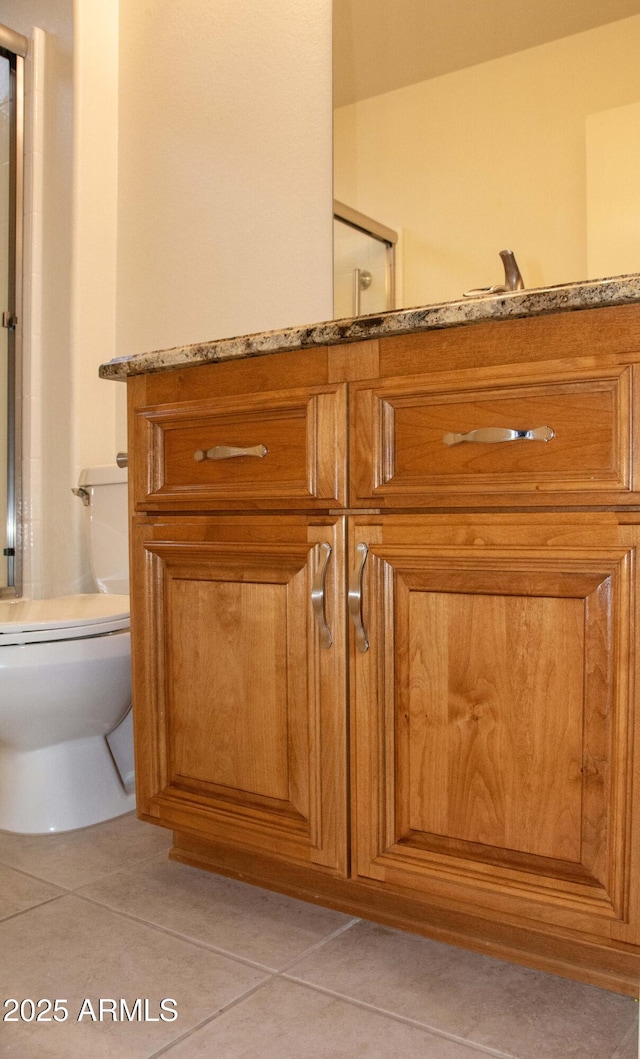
(491, 435)
(317, 595)
(227, 452)
(354, 599)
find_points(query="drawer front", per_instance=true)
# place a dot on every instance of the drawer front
(530, 440)
(270, 450)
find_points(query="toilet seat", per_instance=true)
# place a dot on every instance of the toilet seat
(62, 618)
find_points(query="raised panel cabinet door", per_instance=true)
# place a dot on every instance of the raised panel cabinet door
(239, 682)
(493, 713)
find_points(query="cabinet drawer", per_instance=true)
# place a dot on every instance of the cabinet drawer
(563, 438)
(272, 450)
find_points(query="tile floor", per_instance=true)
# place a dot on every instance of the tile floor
(101, 914)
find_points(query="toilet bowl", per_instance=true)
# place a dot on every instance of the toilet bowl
(65, 684)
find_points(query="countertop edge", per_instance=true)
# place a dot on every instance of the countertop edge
(619, 290)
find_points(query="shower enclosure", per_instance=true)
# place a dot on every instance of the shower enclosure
(363, 264)
(12, 52)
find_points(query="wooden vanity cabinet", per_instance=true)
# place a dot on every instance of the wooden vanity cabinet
(404, 687)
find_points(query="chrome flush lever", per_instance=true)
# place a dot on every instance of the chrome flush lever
(318, 595)
(354, 599)
(83, 493)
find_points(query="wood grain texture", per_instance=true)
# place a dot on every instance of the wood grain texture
(228, 378)
(399, 457)
(356, 360)
(493, 795)
(302, 430)
(493, 712)
(241, 725)
(596, 332)
(494, 739)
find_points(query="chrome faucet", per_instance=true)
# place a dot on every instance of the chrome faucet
(512, 278)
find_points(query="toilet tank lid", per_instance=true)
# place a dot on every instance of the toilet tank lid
(92, 608)
(108, 474)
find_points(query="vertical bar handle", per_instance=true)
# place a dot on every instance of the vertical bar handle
(354, 598)
(356, 292)
(318, 595)
(362, 280)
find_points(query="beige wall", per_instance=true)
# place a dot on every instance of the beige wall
(225, 169)
(486, 158)
(613, 188)
(94, 229)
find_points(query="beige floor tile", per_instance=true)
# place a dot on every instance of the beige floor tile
(74, 950)
(287, 1021)
(268, 928)
(19, 892)
(630, 1048)
(74, 858)
(487, 1001)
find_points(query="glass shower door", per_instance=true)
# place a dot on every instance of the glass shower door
(12, 50)
(363, 264)
(5, 367)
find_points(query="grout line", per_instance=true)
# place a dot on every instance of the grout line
(630, 1036)
(117, 871)
(316, 945)
(187, 938)
(36, 878)
(211, 1018)
(86, 882)
(472, 1046)
(485, 1049)
(23, 911)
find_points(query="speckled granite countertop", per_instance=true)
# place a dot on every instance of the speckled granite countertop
(592, 294)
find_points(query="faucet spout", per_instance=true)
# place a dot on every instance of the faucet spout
(512, 276)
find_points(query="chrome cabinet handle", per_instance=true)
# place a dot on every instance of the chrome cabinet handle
(354, 599)
(318, 596)
(227, 452)
(492, 435)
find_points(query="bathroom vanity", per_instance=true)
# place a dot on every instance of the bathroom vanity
(385, 618)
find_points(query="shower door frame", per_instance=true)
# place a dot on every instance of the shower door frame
(13, 48)
(375, 230)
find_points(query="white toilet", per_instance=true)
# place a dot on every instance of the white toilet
(65, 684)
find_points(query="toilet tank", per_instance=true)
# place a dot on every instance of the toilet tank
(107, 519)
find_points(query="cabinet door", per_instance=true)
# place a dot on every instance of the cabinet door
(492, 728)
(239, 677)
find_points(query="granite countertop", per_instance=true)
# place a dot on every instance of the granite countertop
(592, 294)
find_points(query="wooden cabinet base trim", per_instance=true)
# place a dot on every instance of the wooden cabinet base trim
(595, 962)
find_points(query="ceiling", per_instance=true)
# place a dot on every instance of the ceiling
(381, 45)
